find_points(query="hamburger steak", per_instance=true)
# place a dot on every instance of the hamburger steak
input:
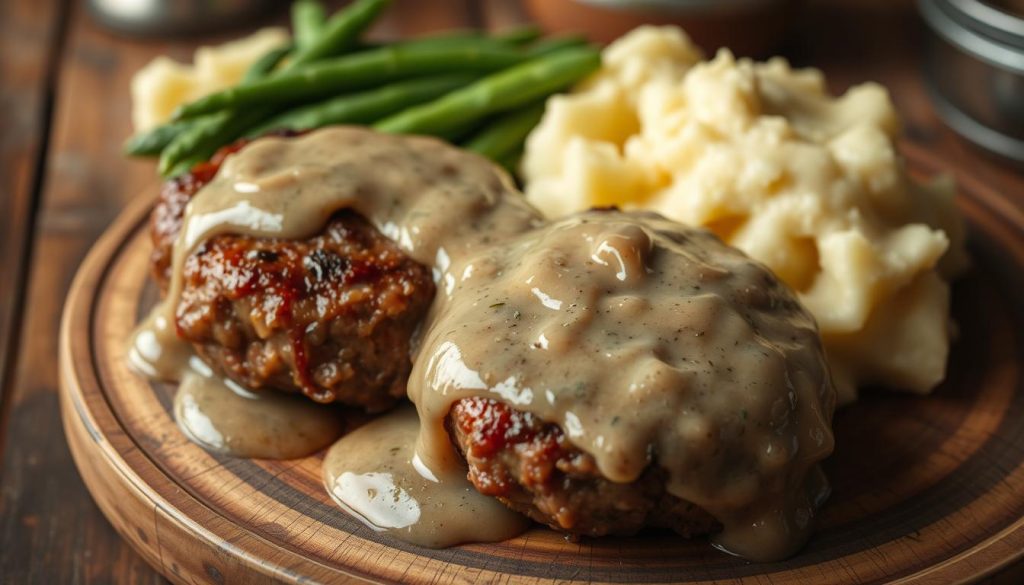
(601, 373)
(331, 316)
(611, 371)
(533, 468)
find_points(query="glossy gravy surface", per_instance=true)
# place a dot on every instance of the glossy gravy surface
(649, 343)
(225, 418)
(433, 200)
(375, 474)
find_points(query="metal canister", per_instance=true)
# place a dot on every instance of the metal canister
(974, 66)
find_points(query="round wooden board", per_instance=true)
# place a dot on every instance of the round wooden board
(926, 489)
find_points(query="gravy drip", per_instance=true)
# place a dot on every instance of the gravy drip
(432, 199)
(435, 201)
(648, 343)
(225, 418)
(374, 474)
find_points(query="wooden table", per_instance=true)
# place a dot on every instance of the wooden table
(64, 111)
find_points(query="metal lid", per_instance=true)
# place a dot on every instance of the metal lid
(990, 21)
(1008, 147)
(977, 29)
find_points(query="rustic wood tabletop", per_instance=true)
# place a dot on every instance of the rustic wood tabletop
(64, 112)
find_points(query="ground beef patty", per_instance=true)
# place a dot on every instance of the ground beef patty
(535, 470)
(331, 316)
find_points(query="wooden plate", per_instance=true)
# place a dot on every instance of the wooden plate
(927, 489)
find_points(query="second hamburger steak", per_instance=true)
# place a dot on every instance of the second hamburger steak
(615, 370)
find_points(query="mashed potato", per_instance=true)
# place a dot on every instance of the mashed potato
(164, 84)
(759, 153)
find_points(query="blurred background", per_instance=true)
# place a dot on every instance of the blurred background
(971, 54)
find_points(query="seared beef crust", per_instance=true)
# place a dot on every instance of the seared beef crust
(531, 466)
(331, 316)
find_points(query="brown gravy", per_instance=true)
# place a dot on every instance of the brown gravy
(649, 343)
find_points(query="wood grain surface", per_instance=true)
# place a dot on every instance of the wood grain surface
(29, 43)
(926, 489)
(63, 181)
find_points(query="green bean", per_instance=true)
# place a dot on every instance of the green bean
(459, 132)
(507, 133)
(498, 92)
(183, 166)
(510, 161)
(366, 107)
(516, 37)
(448, 40)
(340, 32)
(442, 37)
(459, 38)
(519, 35)
(357, 71)
(268, 62)
(308, 21)
(449, 33)
(202, 139)
(554, 44)
(151, 142)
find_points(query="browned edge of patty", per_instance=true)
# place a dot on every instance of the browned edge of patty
(331, 316)
(531, 466)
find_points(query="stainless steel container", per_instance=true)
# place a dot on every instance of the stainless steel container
(974, 67)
